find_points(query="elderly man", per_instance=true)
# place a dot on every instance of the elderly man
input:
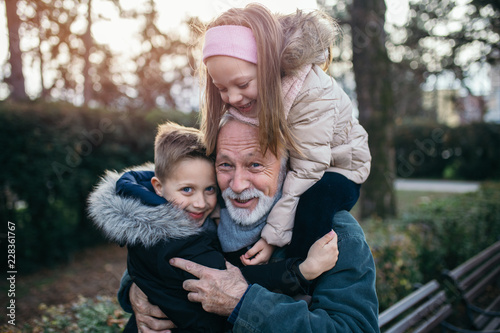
(343, 299)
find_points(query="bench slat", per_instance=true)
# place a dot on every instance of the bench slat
(435, 320)
(466, 266)
(482, 319)
(434, 304)
(478, 288)
(407, 302)
(480, 272)
(493, 325)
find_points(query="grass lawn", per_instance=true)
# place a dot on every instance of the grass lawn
(406, 200)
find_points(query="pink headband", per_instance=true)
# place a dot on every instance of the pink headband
(230, 40)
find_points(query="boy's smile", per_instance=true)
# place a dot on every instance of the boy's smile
(191, 187)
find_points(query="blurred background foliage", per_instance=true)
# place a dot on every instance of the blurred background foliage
(52, 156)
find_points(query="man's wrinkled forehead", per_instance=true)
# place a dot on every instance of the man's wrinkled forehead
(239, 136)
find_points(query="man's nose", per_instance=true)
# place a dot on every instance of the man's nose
(240, 181)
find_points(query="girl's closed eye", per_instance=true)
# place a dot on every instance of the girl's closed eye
(220, 88)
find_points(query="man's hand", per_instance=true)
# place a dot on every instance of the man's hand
(259, 254)
(149, 317)
(218, 291)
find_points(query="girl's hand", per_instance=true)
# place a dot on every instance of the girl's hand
(322, 256)
(259, 254)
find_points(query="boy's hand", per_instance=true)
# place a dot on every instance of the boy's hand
(149, 317)
(322, 256)
(259, 254)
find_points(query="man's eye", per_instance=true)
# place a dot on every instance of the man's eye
(256, 165)
(224, 165)
(187, 189)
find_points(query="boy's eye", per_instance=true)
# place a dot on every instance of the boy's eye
(187, 189)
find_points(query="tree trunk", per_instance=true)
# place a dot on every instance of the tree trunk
(41, 37)
(87, 41)
(16, 78)
(375, 102)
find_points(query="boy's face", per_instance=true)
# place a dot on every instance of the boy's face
(192, 187)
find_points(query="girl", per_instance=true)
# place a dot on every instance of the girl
(268, 70)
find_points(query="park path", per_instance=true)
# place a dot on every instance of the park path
(448, 186)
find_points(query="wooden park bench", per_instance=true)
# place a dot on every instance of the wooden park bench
(421, 311)
(430, 306)
(476, 283)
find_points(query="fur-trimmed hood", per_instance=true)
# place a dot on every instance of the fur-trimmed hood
(128, 221)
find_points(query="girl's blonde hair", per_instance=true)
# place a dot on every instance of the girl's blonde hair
(284, 44)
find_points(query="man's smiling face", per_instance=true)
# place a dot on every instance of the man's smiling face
(247, 178)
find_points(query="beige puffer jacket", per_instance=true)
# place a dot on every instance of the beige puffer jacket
(331, 140)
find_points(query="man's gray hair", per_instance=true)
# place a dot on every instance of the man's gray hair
(227, 117)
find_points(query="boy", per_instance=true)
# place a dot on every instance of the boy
(165, 214)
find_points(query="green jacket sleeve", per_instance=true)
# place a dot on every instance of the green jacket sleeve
(344, 299)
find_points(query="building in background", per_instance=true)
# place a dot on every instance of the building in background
(471, 109)
(441, 105)
(493, 113)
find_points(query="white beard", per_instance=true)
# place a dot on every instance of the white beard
(244, 216)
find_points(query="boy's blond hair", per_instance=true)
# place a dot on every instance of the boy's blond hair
(284, 44)
(174, 143)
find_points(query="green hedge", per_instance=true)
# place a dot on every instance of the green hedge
(434, 236)
(469, 152)
(52, 156)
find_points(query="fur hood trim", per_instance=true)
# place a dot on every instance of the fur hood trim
(129, 221)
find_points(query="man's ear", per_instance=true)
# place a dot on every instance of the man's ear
(157, 185)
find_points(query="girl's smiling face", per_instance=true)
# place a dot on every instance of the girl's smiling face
(236, 80)
(192, 187)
